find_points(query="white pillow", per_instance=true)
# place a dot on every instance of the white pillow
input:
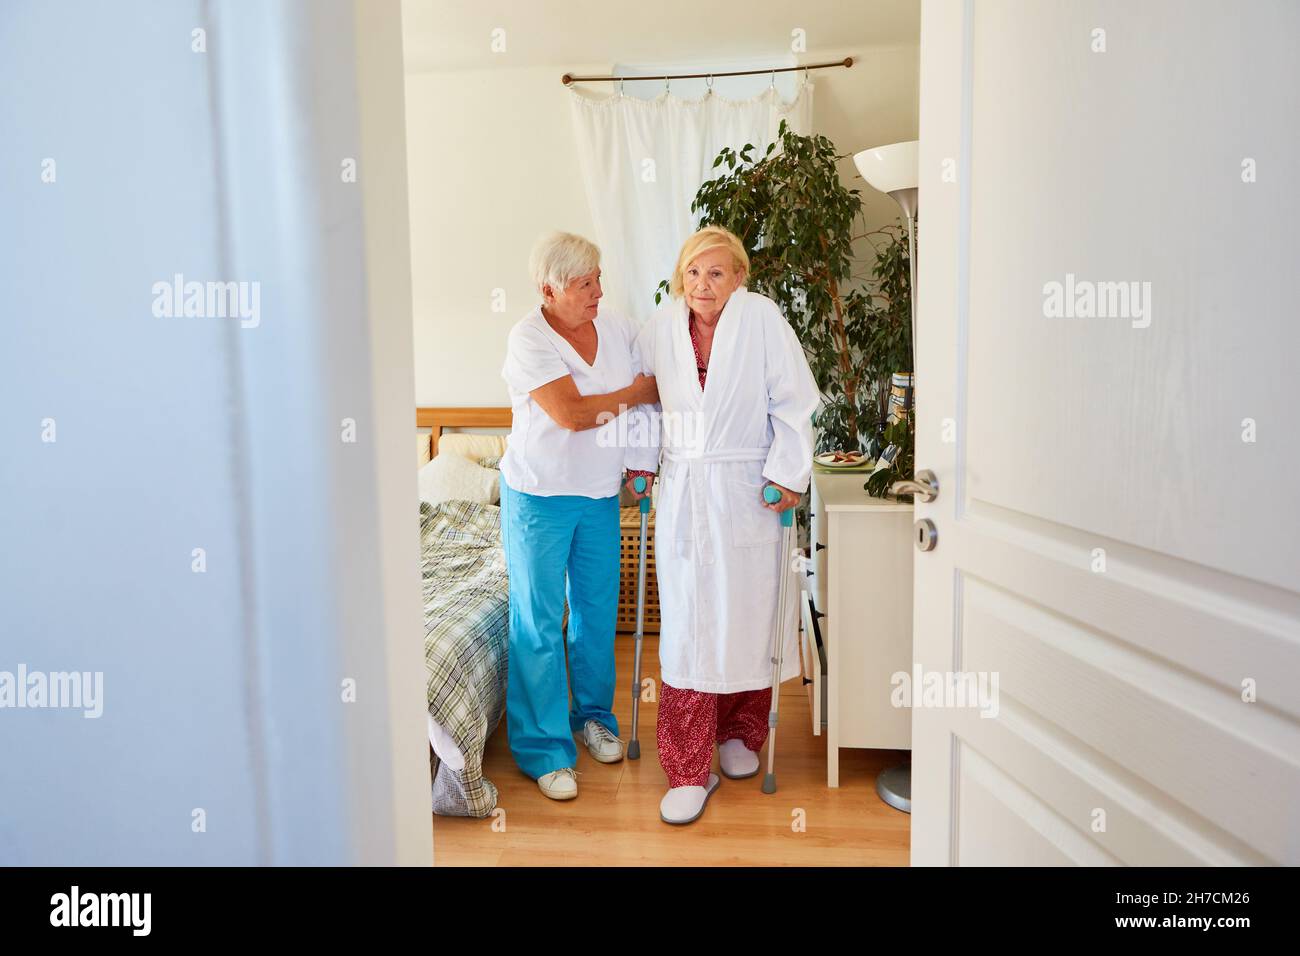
(451, 476)
(471, 446)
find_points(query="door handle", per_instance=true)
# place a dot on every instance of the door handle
(924, 486)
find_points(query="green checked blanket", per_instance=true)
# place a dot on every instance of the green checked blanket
(465, 618)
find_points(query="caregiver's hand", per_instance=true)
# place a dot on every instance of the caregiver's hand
(649, 486)
(788, 499)
(645, 390)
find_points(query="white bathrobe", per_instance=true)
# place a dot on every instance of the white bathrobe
(717, 549)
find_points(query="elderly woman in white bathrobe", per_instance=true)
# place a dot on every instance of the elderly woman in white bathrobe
(737, 402)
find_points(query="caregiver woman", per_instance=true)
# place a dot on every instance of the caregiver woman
(569, 367)
(738, 399)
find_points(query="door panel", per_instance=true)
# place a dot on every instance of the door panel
(1109, 545)
(1003, 824)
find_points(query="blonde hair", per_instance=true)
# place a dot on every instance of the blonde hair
(706, 240)
(560, 257)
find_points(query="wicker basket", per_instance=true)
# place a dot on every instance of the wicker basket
(629, 556)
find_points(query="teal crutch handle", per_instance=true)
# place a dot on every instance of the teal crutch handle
(639, 483)
(771, 495)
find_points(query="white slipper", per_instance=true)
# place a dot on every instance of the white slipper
(682, 805)
(737, 760)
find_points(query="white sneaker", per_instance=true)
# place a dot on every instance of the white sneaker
(737, 760)
(685, 804)
(601, 744)
(559, 784)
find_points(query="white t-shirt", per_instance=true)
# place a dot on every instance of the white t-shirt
(542, 458)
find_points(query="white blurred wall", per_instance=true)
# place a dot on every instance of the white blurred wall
(222, 689)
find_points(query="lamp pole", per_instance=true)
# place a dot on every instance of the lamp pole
(906, 199)
(911, 287)
(893, 171)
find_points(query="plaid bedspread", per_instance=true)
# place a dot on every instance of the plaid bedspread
(465, 619)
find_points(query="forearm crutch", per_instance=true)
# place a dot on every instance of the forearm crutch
(634, 745)
(772, 495)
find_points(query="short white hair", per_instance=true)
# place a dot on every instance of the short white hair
(560, 257)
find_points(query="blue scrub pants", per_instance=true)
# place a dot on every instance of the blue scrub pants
(548, 539)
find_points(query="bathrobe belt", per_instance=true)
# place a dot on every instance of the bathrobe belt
(696, 470)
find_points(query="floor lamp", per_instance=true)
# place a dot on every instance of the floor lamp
(893, 170)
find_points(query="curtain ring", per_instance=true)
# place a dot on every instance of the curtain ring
(805, 76)
(708, 82)
(620, 87)
(666, 85)
(772, 85)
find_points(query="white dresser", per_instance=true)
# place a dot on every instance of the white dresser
(859, 602)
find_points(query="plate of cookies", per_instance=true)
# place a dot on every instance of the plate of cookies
(842, 460)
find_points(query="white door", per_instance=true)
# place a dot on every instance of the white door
(1119, 514)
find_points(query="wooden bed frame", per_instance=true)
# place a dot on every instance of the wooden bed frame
(440, 419)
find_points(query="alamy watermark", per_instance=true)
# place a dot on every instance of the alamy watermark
(208, 300)
(65, 690)
(75, 908)
(643, 427)
(946, 689)
(1085, 299)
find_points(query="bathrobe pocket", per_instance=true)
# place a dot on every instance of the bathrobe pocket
(674, 516)
(751, 524)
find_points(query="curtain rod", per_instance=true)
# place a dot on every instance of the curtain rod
(568, 78)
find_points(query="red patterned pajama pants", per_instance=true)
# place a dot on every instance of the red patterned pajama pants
(691, 722)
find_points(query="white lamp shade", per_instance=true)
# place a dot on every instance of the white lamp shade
(890, 168)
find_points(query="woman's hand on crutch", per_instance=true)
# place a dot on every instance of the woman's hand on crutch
(635, 487)
(787, 500)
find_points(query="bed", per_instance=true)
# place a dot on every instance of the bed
(465, 603)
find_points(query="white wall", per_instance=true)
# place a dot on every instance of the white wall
(493, 165)
(221, 689)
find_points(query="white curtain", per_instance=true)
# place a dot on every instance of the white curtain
(642, 163)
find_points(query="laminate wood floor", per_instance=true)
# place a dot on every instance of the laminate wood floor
(615, 819)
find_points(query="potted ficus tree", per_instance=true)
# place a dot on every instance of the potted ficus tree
(805, 232)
